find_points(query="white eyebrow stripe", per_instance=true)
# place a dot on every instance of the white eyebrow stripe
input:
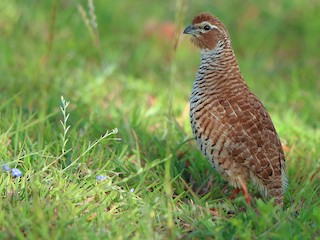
(214, 27)
(207, 23)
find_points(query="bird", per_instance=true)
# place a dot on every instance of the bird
(231, 126)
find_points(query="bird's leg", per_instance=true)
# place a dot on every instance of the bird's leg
(209, 185)
(235, 193)
(244, 189)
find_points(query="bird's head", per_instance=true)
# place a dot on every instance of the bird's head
(207, 31)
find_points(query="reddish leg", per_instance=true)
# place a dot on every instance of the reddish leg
(235, 193)
(244, 189)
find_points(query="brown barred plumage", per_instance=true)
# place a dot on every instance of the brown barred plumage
(231, 126)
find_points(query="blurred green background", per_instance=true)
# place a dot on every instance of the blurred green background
(47, 51)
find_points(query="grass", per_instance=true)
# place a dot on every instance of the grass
(124, 117)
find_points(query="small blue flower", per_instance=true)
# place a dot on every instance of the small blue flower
(6, 168)
(16, 172)
(132, 190)
(101, 177)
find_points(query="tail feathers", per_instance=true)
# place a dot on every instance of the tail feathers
(276, 192)
(284, 178)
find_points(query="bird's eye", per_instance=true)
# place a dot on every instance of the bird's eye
(206, 27)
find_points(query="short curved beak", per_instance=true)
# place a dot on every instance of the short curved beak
(189, 30)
